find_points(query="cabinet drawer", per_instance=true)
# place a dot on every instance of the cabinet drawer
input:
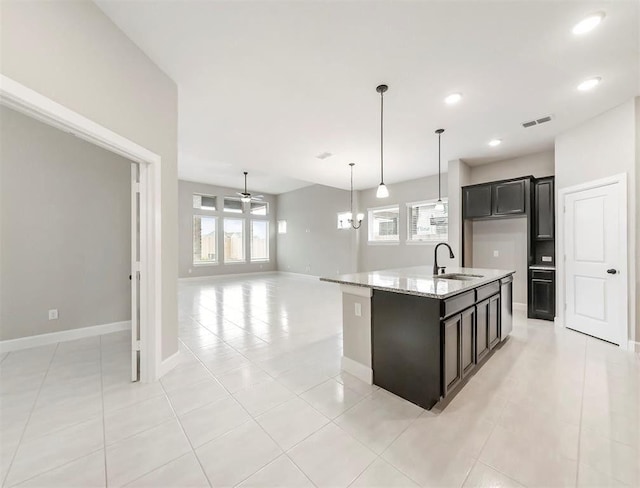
(487, 290)
(457, 303)
(542, 275)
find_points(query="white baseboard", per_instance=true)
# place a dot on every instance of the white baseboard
(633, 346)
(227, 275)
(358, 370)
(62, 336)
(299, 275)
(520, 306)
(169, 363)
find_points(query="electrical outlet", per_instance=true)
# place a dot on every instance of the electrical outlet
(547, 259)
(53, 314)
(496, 253)
(358, 310)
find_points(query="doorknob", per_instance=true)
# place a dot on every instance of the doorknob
(612, 271)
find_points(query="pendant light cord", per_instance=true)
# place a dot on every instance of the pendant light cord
(351, 191)
(382, 137)
(439, 173)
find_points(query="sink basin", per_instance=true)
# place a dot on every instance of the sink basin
(459, 276)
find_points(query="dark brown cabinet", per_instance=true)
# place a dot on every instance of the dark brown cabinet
(498, 199)
(482, 328)
(544, 209)
(468, 340)
(542, 302)
(452, 352)
(493, 329)
(509, 198)
(476, 201)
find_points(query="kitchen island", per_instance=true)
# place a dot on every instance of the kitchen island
(418, 335)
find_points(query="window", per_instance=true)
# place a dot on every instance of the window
(204, 240)
(259, 208)
(282, 226)
(233, 205)
(259, 240)
(343, 220)
(204, 202)
(426, 224)
(383, 224)
(233, 241)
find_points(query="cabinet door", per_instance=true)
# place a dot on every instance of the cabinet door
(451, 358)
(494, 321)
(509, 198)
(468, 332)
(482, 329)
(544, 209)
(543, 298)
(476, 201)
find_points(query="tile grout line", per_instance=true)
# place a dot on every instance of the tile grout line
(33, 407)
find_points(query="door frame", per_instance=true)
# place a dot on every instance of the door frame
(35, 105)
(625, 270)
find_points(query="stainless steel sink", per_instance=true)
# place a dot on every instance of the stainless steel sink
(459, 276)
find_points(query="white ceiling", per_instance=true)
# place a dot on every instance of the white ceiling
(267, 86)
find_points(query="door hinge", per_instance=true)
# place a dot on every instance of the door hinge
(136, 187)
(137, 345)
(136, 266)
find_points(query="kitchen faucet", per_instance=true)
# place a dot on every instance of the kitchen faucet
(440, 269)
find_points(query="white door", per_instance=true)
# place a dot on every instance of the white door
(595, 249)
(135, 272)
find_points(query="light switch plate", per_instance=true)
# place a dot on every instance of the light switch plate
(358, 309)
(547, 259)
(496, 253)
(53, 314)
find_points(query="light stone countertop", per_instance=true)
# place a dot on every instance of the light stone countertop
(419, 280)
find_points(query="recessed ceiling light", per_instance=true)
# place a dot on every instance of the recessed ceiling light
(495, 142)
(453, 98)
(588, 23)
(589, 84)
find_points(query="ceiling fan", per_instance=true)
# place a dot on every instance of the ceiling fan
(245, 196)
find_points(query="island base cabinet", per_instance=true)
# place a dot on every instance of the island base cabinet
(487, 326)
(458, 348)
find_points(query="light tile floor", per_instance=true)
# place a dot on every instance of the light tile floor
(258, 400)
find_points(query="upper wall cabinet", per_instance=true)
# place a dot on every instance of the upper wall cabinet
(509, 198)
(497, 199)
(544, 208)
(476, 201)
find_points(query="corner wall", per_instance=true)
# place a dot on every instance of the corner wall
(605, 146)
(186, 269)
(72, 53)
(65, 209)
(313, 244)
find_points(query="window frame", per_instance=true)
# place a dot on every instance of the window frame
(382, 242)
(244, 241)
(423, 241)
(193, 231)
(251, 258)
(204, 209)
(233, 212)
(253, 215)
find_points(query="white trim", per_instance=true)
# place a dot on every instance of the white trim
(21, 98)
(620, 179)
(633, 346)
(299, 275)
(169, 363)
(359, 291)
(520, 306)
(383, 243)
(62, 336)
(204, 278)
(423, 242)
(358, 370)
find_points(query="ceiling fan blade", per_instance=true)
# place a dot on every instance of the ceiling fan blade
(257, 197)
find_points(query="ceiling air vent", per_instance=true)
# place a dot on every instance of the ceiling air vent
(539, 121)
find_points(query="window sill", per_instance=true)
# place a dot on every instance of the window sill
(383, 243)
(235, 262)
(260, 261)
(423, 243)
(204, 265)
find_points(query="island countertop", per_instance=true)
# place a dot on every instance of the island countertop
(420, 281)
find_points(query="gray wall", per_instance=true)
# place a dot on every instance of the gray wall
(73, 53)
(313, 244)
(186, 189)
(66, 230)
(605, 146)
(385, 256)
(509, 238)
(538, 164)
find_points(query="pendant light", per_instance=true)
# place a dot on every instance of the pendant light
(360, 216)
(245, 197)
(382, 192)
(439, 205)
